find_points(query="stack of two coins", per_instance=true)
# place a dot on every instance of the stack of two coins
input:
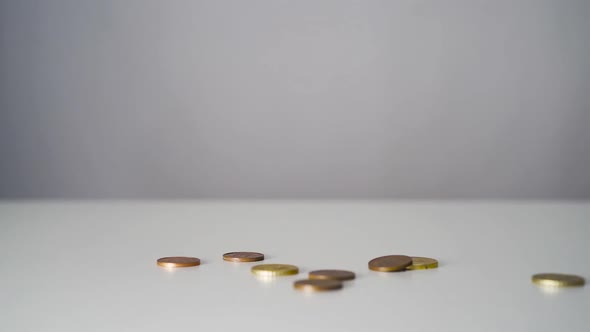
(324, 280)
(397, 263)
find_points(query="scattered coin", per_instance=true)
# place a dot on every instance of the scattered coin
(558, 280)
(317, 285)
(331, 275)
(179, 261)
(421, 263)
(243, 256)
(392, 263)
(273, 270)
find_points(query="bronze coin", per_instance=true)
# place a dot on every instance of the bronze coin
(422, 263)
(179, 261)
(243, 256)
(317, 285)
(558, 280)
(392, 263)
(332, 275)
(274, 270)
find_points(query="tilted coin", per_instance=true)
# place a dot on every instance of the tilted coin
(421, 263)
(317, 285)
(243, 256)
(332, 275)
(558, 280)
(273, 270)
(391, 263)
(178, 261)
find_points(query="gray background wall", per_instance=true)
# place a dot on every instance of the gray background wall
(295, 99)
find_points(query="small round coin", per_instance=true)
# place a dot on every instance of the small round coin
(392, 263)
(274, 270)
(422, 263)
(243, 256)
(558, 280)
(341, 275)
(317, 285)
(178, 261)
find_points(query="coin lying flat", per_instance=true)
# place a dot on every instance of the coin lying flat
(332, 275)
(421, 263)
(558, 280)
(274, 270)
(317, 285)
(243, 256)
(392, 263)
(178, 261)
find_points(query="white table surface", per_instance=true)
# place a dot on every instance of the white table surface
(91, 266)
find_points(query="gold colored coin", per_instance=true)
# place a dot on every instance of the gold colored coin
(317, 285)
(331, 275)
(178, 261)
(243, 256)
(558, 280)
(422, 263)
(274, 270)
(392, 263)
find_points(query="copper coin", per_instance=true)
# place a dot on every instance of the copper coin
(243, 256)
(179, 261)
(317, 285)
(332, 275)
(390, 263)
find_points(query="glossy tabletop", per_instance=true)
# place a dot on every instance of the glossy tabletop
(91, 266)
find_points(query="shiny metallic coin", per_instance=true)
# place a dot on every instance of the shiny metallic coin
(421, 263)
(392, 263)
(332, 275)
(274, 270)
(243, 256)
(317, 285)
(178, 261)
(558, 280)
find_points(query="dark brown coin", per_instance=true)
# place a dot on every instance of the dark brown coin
(332, 275)
(179, 261)
(243, 256)
(390, 263)
(317, 285)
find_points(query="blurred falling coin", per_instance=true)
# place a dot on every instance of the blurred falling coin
(274, 270)
(341, 275)
(558, 280)
(178, 261)
(317, 285)
(422, 263)
(243, 256)
(391, 263)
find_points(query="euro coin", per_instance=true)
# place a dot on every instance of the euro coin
(392, 263)
(558, 280)
(421, 263)
(274, 270)
(178, 261)
(332, 275)
(317, 285)
(243, 256)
